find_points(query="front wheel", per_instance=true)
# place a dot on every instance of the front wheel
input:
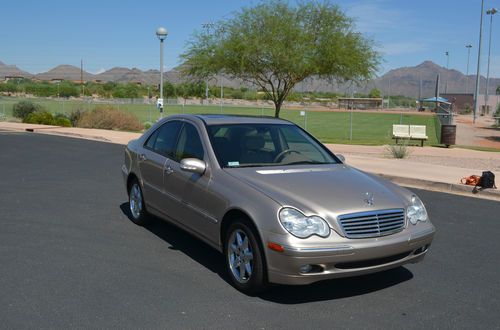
(244, 258)
(136, 203)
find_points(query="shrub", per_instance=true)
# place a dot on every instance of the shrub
(24, 108)
(398, 151)
(75, 116)
(107, 117)
(46, 118)
(147, 125)
(62, 120)
(39, 117)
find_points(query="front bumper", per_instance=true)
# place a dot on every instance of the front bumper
(351, 257)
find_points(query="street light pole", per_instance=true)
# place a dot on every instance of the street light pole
(490, 12)
(469, 46)
(207, 26)
(447, 53)
(161, 33)
(476, 94)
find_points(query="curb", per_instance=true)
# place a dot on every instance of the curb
(69, 134)
(450, 188)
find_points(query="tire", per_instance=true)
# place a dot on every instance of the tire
(138, 213)
(244, 258)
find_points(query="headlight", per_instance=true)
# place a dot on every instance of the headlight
(303, 226)
(416, 211)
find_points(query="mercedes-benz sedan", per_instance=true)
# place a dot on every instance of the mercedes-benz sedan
(279, 205)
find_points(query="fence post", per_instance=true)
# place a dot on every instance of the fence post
(350, 129)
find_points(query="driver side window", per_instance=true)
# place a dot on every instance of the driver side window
(162, 141)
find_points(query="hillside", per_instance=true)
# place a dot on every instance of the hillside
(402, 81)
(66, 72)
(12, 70)
(406, 80)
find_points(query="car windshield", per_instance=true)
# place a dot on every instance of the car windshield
(255, 145)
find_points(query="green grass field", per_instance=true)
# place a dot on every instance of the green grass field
(329, 127)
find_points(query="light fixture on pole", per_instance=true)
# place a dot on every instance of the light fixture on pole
(469, 46)
(490, 12)
(476, 93)
(161, 33)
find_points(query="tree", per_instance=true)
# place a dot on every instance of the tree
(276, 45)
(498, 90)
(375, 93)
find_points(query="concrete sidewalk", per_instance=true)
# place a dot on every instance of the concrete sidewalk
(429, 168)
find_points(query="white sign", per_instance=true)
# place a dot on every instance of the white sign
(302, 113)
(159, 103)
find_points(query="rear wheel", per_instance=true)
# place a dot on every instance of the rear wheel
(244, 258)
(137, 206)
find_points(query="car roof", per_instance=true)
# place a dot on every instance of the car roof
(216, 119)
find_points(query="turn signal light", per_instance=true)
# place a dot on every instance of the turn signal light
(275, 247)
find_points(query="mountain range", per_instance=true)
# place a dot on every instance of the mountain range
(402, 81)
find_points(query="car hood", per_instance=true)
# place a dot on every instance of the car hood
(324, 190)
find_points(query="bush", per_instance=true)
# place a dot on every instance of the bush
(24, 108)
(75, 116)
(147, 125)
(39, 117)
(398, 151)
(46, 118)
(107, 117)
(62, 120)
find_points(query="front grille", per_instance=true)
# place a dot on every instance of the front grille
(372, 224)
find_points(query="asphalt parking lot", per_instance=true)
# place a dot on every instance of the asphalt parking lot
(70, 257)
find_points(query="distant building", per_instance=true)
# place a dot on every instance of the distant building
(359, 103)
(7, 78)
(490, 106)
(461, 101)
(56, 80)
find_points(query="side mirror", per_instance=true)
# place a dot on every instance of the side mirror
(193, 165)
(341, 157)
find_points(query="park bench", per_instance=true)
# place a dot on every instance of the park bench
(410, 132)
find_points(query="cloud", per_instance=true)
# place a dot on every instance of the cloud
(101, 70)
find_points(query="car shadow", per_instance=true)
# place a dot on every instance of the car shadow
(336, 288)
(211, 259)
(180, 240)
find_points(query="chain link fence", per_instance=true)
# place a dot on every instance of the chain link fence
(354, 126)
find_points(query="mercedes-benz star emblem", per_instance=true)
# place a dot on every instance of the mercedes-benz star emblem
(369, 200)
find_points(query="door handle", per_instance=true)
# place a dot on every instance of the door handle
(168, 170)
(142, 157)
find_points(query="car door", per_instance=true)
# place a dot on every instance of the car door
(152, 161)
(190, 189)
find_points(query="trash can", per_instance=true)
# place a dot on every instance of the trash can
(448, 134)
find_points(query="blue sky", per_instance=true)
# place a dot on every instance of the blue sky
(38, 35)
